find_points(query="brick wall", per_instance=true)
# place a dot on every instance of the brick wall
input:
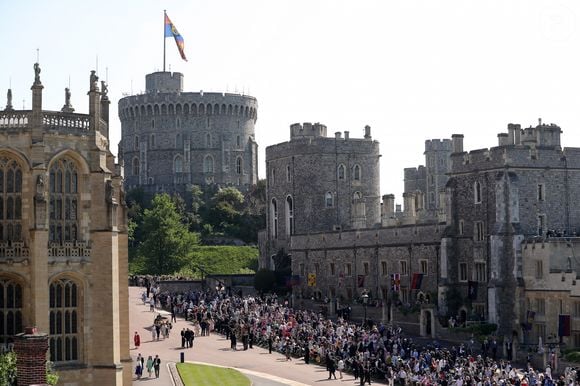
(30, 348)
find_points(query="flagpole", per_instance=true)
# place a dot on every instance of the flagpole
(164, 39)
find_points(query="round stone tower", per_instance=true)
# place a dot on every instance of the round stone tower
(172, 139)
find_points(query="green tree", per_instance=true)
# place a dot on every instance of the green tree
(195, 212)
(168, 240)
(7, 368)
(225, 210)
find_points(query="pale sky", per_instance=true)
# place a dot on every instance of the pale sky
(412, 70)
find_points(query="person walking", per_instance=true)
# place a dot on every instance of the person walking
(331, 368)
(288, 349)
(174, 314)
(183, 338)
(270, 344)
(138, 369)
(157, 365)
(149, 365)
(340, 367)
(140, 359)
(233, 341)
(137, 340)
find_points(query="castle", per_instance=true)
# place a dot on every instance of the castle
(172, 139)
(484, 235)
(63, 237)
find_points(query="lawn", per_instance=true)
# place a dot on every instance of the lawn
(201, 375)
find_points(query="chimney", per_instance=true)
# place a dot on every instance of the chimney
(388, 205)
(409, 204)
(346, 135)
(517, 134)
(503, 139)
(511, 133)
(337, 135)
(368, 132)
(457, 141)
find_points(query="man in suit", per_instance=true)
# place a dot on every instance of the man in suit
(157, 365)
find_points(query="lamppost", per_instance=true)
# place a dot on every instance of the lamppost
(365, 300)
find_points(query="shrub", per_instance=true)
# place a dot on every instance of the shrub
(573, 356)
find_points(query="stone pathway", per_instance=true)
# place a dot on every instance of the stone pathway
(262, 368)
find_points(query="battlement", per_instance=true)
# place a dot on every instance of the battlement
(164, 82)
(307, 130)
(438, 145)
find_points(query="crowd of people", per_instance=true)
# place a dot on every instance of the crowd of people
(369, 352)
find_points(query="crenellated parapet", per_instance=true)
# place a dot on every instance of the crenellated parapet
(171, 139)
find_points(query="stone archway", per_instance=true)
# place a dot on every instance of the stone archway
(427, 323)
(462, 317)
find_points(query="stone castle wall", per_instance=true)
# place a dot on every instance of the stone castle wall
(68, 230)
(339, 258)
(172, 138)
(306, 169)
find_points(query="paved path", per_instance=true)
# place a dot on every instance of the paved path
(262, 368)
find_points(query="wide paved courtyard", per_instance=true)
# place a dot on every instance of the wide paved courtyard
(263, 369)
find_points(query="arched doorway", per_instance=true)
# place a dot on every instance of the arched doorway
(427, 327)
(462, 317)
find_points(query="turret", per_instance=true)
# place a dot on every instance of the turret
(164, 82)
(308, 130)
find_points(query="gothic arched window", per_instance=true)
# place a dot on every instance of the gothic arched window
(328, 200)
(135, 166)
(341, 172)
(274, 218)
(356, 173)
(10, 310)
(289, 216)
(178, 164)
(10, 200)
(64, 321)
(208, 164)
(64, 201)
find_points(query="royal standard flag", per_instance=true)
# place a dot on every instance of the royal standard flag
(311, 280)
(170, 31)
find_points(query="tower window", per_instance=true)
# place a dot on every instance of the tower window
(329, 200)
(341, 172)
(477, 192)
(274, 218)
(541, 192)
(356, 173)
(208, 166)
